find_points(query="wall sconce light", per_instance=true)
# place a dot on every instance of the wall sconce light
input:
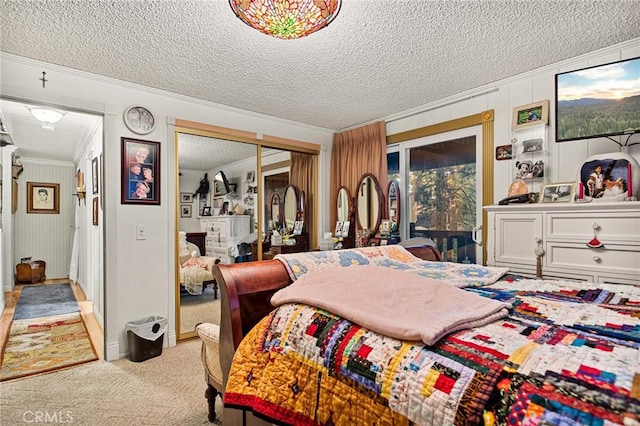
(48, 117)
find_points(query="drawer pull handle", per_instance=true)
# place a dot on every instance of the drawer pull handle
(596, 258)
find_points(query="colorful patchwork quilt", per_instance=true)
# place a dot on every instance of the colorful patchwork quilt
(566, 354)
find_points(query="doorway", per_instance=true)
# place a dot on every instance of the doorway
(69, 239)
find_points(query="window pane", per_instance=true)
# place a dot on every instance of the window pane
(442, 196)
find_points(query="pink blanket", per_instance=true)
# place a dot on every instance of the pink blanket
(394, 303)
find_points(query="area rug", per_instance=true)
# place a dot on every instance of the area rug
(38, 345)
(45, 300)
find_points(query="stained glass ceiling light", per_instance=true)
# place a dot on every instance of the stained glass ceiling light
(286, 19)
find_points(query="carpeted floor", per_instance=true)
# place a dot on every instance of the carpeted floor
(197, 309)
(165, 390)
(45, 300)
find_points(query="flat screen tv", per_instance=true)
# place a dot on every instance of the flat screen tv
(220, 184)
(599, 101)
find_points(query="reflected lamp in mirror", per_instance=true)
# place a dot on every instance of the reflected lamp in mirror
(393, 206)
(368, 203)
(343, 204)
(290, 208)
(275, 211)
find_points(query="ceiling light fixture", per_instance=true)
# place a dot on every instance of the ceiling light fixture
(48, 117)
(286, 19)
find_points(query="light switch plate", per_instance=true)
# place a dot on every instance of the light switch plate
(141, 232)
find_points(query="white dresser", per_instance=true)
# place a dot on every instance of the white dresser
(224, 233)
(563, 230)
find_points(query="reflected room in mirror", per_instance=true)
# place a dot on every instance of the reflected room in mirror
(393, 212)
(368, 206)
(344, 206)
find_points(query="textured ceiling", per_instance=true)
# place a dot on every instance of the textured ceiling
(378, 58)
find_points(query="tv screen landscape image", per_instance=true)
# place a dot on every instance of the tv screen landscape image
(598, 101)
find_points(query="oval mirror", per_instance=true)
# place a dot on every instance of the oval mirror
(275, 211)
(344, 204)
(368, 203)
(290, 207)
(393, 205)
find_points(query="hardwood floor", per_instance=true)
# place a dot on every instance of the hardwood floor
(86, 310)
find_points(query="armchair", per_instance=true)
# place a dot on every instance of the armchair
(210, 353)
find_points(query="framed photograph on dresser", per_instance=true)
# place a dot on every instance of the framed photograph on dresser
(557, 192)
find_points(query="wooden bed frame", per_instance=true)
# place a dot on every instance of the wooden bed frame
(245, 293)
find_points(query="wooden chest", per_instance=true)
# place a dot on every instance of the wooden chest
(32, 272)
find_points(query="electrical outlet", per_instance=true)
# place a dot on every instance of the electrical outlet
(141, 232)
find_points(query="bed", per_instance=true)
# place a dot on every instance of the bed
(563, 353)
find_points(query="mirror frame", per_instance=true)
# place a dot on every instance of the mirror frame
(394, 184)
(276, 197)
(378, 192)
(349, 203)
(284, 207)
(178, 126)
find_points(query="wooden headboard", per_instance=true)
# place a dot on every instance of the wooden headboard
(199, 239)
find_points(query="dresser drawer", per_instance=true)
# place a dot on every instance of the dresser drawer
(216, 237)
(610, 258)
(612, 227)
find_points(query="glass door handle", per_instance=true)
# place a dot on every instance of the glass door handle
(476, 236)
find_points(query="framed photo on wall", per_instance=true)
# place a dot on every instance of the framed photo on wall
(504, 152)
(43, 198)
(140, 172)
(186, 197)
(185, 210)
(530, 115)
(95, 211)
(94, 174)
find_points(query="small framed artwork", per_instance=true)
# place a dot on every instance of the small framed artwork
(338, 232)
(345, 228)
(233, 188)
(297, 227)
(94, 174)
(530, 115)
(527, 169)
(186, 197)
(95, 211)
(251, 176)
(557, 192)
(532, 145)
(140, 172)
(43, 198)
(185, 210)
(504, 152)
(139, 120)
(385, 227)
(206, 211)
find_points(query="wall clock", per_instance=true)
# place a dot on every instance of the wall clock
(139, 120)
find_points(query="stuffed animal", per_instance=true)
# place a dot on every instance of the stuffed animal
(523, 169)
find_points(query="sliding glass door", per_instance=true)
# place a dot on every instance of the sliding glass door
(441, 177)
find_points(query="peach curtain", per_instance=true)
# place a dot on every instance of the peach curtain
(356, 152)
(301, 175)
